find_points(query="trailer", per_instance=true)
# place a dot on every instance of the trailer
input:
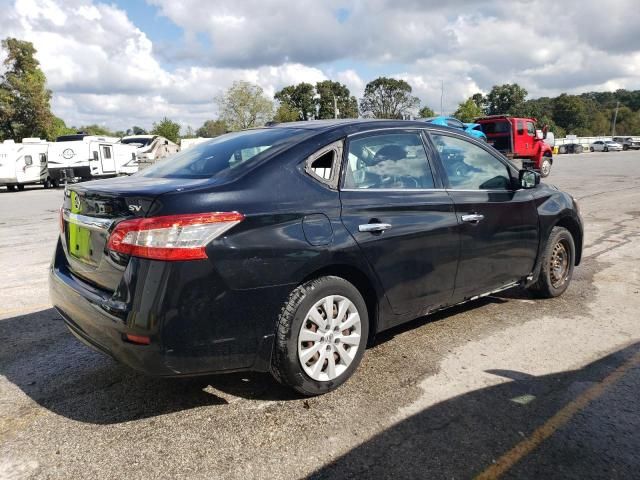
(24, 163)
(150, 148)
(87, 157)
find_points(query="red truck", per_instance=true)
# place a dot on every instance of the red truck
(518, 138)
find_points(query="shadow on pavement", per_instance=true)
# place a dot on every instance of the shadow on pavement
(47, 363)
(462, 436)
(41, 357)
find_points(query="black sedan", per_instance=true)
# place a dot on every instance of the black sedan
(288, 248)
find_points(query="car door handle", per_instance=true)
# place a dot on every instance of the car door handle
(472, 218)
(374, 227)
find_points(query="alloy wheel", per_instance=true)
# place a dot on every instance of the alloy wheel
(329, 338)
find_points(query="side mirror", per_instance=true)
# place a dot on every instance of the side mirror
(539, 134)
(529, 178)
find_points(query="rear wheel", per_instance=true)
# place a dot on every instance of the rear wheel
(557, 264)
(545, 167)
(321, 336)
(591, 148)
(20, 187)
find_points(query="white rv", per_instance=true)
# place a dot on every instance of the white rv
(87, 157)
(24, 163)
(151, 148)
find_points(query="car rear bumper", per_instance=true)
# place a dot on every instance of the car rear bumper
(227, 334)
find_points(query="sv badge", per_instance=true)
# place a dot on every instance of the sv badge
(135, 208)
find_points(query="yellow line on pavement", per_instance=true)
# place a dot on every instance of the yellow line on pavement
(526, 446)
(25, 310)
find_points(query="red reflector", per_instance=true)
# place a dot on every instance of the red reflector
(139, 339)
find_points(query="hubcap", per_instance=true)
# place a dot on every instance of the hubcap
(559, 264)
(546, 167)
(329, 338)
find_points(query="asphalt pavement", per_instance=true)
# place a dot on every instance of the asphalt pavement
(507, 386)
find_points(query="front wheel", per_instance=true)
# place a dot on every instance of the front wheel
(321, 336)
(545, 167)
(557, 264)
(606, 149)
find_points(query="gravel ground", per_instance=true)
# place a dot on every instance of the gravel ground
(447, 396)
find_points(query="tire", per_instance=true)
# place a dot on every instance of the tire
(296, 320)
(55, 183)
(545, 167)
(562, 149)
(578, 149)
(552, 282)
(10, 188)
(20, 187)
(46, 184)
(591, 149)
(625, 147)
(606, 149)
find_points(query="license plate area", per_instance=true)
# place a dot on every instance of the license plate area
(86, 237)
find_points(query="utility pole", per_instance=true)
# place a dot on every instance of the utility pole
(615, 118)
(335, 106)
(441, 95)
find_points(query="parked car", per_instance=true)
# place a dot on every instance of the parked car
(288, 248)
(472, 129)
(570, 148)
(605, 146)
(628, 143)
(519, 138)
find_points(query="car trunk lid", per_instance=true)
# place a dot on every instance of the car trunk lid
(91, 210)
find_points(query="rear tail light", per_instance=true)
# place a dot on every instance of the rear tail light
(172, 237)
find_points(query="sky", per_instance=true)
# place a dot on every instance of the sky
(123, 63)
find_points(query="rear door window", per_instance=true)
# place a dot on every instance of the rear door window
(388, 161)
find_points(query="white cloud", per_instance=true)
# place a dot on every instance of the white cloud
(103, 68)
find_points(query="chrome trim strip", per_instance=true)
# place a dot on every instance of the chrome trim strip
(92, 223)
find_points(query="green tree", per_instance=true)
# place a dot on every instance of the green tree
(468, 110)
(58, 128)
(167, 128)
(300, 98)
(97, 130)
(426, 112)
(212, 128)
(332, 96)
(24, 99)
(244, 105)
(388, 98)
(570, 113)
(480, 100)
(136, 131)
(506, 99)
(286, 113)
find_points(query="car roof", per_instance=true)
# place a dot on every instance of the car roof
(360, 124)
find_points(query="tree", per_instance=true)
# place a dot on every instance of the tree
(468, 110)
(480, 100)
(506, 99)
(300, 98)
(167, 128)
(58, 128)
(426, 112)
(388, 98)
(24, 99)
(97, 130)
(212, 128)
(244, 105)
(569, 112)
(286, 113)
(136, 131)
(335, 97)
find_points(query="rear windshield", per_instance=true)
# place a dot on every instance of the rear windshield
(222, 155)
(496, 127)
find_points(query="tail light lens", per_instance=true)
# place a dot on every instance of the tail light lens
(171, 237)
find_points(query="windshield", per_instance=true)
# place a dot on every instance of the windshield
(71, 138)
(222, 154)
(496, 127)
(142, 141)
